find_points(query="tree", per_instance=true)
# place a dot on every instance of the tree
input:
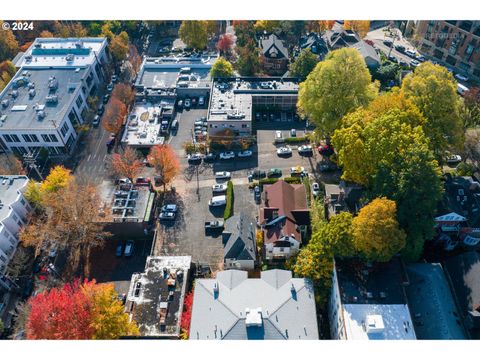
(46, 34)
(221, 68)
(60, 314)
(244, 31)
(432, 89)
(337, 235)
(248, 62)
(376, 233)
(115, 113)
(108, 318)
(119, 46)
(127, 164)
(8, 44)
(10, 165)
(471, 109)
(303, 64)
(58, 178)
(166, 163)
(2, 327)
(360, 26)
(268, 26)
(338, 85)
(471, 149)
(194, 33)
(124, 93)
(320, 26)
(186, 315)
(225, 44)
(134, 58)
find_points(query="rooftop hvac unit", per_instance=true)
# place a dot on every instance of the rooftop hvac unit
(52, 83)
(70, 57)
(41, 115)
(28, 57)
(31, 93)
(5, 103)
(31, 85)
(79, 44)
(37, 45)
(51, 99)
(14, 94)
(374, 324)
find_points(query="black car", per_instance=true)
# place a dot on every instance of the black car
(101, 109)
(392, 58)
(400, 48)
(258, 174)
(106, 97)
(210, 157)
(119, 250)
(257, 194)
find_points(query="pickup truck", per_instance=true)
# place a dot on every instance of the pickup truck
(213, 224)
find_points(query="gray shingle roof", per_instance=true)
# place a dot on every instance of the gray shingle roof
(287, 306)
(239, 238)
(273, 41)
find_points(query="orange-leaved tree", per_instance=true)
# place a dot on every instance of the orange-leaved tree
(360, 26)
(165, 162)
(127, 164)
(115, 112)
(124, 93)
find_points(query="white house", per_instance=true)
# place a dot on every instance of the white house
(13, 213)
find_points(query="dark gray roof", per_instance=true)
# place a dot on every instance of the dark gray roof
(430, 301)
(368, 52)
(273, 42)
(464, 273)
(338, 38)
(239, 238)
(287, 307)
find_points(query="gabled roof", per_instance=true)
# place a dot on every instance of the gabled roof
(367, 51)
(284, 199)
(287, 307)
(273, 43)
(338, 37)
(451, 217)
(239, 238)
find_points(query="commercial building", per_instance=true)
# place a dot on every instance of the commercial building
(235, 101)
(156, 296)
(274, 307)
(13, 213)
(369, 302)
(46, 101)
(452, 43)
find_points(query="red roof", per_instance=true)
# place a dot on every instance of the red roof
(284, 199)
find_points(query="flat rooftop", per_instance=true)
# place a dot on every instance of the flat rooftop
(164, 72)
(144, 122)
(47, 52)
(155, 298)
(231, 98)
(29, 92)
(9, 189)
(435, 315)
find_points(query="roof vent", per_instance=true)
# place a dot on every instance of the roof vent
(14, 94)
(41, 115)
(253, 317)
(51, 99)
(215, 287)
(5, 103)
(31, 93)
(69, 57)
(374, 324)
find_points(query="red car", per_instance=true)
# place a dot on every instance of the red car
(142, 181)
(326, 150)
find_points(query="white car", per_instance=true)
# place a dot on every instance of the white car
(315, 189)
(285, 150)
(218, 201)
(415, 63)
(454, 159)
(245, 154)
(461, 77)
(411, 53)
(195, 157)
(223, 175)
(305, 149)
(227, 155)
(219, 188)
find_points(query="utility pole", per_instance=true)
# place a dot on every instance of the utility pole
(30, 161)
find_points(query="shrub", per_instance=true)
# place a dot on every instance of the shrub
(308, 189)
(229, 206)
(268, 181)
(293, 180)
(252, 185)
(297, 140)
(464, 169)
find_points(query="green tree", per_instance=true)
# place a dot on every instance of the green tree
(221, 68)
(433, 90)
(376, 233)
(471, 108)
(338, 85)
(119, 46)
(244, 32)
(303, 64)
(248, 62)
(194, 33)
(337, 235)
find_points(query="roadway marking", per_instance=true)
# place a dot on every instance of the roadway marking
(89, 156)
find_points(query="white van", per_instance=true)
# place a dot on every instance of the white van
(462, 89)
(185, 70)
(218, 200)
(279, 137)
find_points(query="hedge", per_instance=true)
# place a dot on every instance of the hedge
(229, 206)
(288, 180)
(297, 140)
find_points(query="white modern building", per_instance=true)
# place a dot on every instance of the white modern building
(46, 101)
(13, 213)
(368, 302)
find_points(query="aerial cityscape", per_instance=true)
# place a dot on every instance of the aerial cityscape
(240, 180)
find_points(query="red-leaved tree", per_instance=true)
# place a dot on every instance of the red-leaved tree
(187, 314)
(225, 44)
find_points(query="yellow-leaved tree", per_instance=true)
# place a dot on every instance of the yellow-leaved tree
(59, 178)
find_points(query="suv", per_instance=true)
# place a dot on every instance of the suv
(129, 248)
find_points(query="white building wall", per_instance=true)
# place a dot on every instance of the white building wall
(239, 264)
(272, 252)
(335, 311)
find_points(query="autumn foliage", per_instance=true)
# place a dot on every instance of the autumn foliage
(124, 93)
(165, 162)
(115, 112)
(225, 43)
(78, 312)
(187, 314)
(127, 164)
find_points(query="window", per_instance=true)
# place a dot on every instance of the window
(79, 101)
(451, 60)
(45, 138)
(22, 201)
(64, 129)
(3, 258)
(53, 138)
(15, 217)
(7, 138)
(70, 142)
(244, 126)
(34, 138)
(15, 138)
(27, 138)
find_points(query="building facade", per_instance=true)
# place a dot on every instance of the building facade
(46, 101)
(14, 209)
(454, 44)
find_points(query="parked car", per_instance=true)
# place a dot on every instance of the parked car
(227, 155)
(122, 181)
(170, 208)
(201, 101)
(279, 137)
(218, 200)
(274, 172)
(284, 151)
(106, 97)
(403, 63)
(180, 104)
(119, 249)
(198, 122)
(223, 175)
(411, 53)
(195, 158)
(388, 42)
(129, 247)
(114, 79)
(167, 215)
(210, 157)
(315, 189)
(215, 224)
(96, 121)
(219, 188)
(305, 150)
(142, 181)
(420, 58)
(101, 109)
(110, 87)
(392, 58)
(461, 77)
(293, 133)
(414, 63)
(188, 103)
(257, 174)
(400, 48)
(327, 166)
(257, 194)
(297, 170)
(453, 159)
(245, 154)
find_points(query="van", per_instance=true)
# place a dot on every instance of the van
(185, 70)
(218, 200)
(279, 137)
(462, 89)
